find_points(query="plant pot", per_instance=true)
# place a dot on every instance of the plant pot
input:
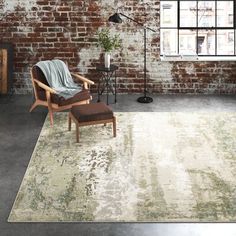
(107, 59)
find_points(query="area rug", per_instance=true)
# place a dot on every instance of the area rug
(161, 167)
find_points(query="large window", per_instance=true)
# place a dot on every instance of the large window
(202, 28)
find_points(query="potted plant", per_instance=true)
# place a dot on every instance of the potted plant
(108, 43)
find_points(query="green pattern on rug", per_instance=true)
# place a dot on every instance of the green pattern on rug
(161, 167)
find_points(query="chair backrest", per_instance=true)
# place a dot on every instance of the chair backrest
(39, 92)
(38, 74)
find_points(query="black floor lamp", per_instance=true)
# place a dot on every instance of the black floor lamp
(117, 19)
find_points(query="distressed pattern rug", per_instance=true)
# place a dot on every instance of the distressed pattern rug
(161, 167)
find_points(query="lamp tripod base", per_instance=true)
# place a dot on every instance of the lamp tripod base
(145, 99)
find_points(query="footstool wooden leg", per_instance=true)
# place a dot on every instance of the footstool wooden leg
(69, 122)
(77, 133)
(114, 126)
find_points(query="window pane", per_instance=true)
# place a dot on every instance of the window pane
(187, 42)
(225, 42)
(206, 14)
(169, 42)
(206, 42)
(168, 14)
(188, 13)
(234, 43)
(225, 13)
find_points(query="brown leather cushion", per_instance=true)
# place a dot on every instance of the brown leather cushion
(60, 101)
(92, 112)
(38, 74)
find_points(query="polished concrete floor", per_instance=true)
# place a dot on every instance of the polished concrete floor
(19, 131)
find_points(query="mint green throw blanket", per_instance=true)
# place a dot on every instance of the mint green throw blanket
(59, 78)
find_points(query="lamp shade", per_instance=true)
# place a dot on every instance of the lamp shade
(115, 18)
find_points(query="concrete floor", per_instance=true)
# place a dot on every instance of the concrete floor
(19, 131)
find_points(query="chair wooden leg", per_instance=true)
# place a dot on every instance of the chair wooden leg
(35, 104)
(114, 126)
(69, 122)
(77, 133)
(51, 117)
(49, 107)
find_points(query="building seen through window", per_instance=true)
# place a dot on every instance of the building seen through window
(198, 28)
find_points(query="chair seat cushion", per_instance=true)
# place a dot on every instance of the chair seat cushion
(60, 101)
(92, 112)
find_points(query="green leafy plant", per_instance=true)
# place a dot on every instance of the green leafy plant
(107, 41)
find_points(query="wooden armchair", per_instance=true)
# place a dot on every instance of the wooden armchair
(46, 96)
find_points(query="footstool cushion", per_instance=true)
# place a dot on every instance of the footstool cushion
(92, 112)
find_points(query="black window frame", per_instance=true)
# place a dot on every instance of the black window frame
(215, 28)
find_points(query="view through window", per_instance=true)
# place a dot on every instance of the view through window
(203, 28)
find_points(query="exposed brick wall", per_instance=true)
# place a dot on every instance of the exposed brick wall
(66, 29)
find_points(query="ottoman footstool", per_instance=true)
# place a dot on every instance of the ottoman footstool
(91, 114)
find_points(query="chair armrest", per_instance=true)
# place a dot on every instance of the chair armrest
(44, 86)
(82, 78)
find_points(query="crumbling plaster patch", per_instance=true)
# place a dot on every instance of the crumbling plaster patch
(190, 69)
(87, 55)
(160, 71)
(10, 5)
(132, 36)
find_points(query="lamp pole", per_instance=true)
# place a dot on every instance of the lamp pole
(116, 19)
(145, 61)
